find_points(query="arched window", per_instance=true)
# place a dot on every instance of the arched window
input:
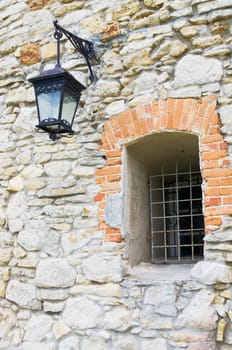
(160, 139)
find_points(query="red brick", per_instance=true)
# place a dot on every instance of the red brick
(140, 110)
(110, 135)
(162, 114)
(209, 164)
(211, 138)
(218, 211)
(99, 197)
(213, 221)
(148, 109)
(100, 179)
(185, 114)
(150, 124)
(114, 161)
(113, 178)
(177, 112)
(217, 172)
(227, 199)
(218, 191)
(213, 155)
(170, 113)
(212, 201)
(109, 170)
(112, 187)
(208, 118)
(192, 114)
(122, 126)
(115, 153)
(223, 145)
(213, 182)
(113, 235)
(143, 127)
(226, 181)
(155, 109)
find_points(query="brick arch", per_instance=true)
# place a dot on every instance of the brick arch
(187, 115)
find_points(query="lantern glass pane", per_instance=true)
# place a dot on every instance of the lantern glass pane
(49, 104)
(69, 107)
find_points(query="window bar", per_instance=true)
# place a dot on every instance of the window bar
(177, 213)
(164, 217)
(151, 213)
(191, 208)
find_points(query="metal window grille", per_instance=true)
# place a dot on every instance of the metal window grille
(177, 222)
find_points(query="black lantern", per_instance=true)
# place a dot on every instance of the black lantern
(58, 92)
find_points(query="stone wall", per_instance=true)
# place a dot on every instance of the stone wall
(65, 281)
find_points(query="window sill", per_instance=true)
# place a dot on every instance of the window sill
(161, 272)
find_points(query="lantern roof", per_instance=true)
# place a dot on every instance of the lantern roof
(58, 72)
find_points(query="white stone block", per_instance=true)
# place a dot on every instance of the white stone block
(70, 343)
(210, 272)
(197, 70)
(54, 273)
(23, 294)
(154, 344)
(100, 268)
(163, 298)
(82, 313)
(199, 314)
(119, 319)
(37, 328)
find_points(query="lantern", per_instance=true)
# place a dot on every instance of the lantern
(58, 92)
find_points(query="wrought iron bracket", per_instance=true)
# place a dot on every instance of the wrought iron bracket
(85, 47)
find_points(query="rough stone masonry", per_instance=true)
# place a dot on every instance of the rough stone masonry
(65, 280)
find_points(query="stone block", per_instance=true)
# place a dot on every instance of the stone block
(94, 342)
(69, 342)
(163, 299)
(119, 319)
(100, 268)
(199, 314)
(30, 54)
(53, 307)
(125, 342)
(110, 31)
(38, 4)
(106, 88)
(23, 294)
(16, 184)
(49, 51)
(210, 272)
(197, 70)
(36, 240)
(53, 294)
(7, 321)
(113, 210)
(5, 255)
(125, 8)
(2, 289)
(54, 273)
(82, 313)
(72, 242)
(154, 3)
(158, 343)
(57, 168)
(101, 290)
(38, 346)
(60, 329)
(38, 328)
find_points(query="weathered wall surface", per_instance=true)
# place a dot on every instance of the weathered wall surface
(64, 276)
